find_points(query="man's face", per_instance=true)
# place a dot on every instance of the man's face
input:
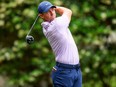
(48, 16)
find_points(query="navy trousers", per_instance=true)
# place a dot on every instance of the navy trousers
(64, 75)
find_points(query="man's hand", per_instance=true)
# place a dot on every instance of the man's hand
(63, 10)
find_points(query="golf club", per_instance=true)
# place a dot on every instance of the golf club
(29, 38)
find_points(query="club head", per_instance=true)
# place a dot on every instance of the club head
(29, 39)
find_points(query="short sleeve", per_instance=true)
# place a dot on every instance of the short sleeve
(62, 21)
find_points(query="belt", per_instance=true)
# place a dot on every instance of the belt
(68, 66)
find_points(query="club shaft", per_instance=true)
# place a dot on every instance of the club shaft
(33, 25)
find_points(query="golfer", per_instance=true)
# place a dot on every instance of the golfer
(66, 72)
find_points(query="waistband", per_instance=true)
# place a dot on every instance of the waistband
(68, 66)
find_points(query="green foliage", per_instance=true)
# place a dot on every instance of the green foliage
(93, 27)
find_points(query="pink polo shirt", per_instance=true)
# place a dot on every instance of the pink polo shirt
(61, 40)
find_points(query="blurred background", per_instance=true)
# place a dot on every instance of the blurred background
(93, 27)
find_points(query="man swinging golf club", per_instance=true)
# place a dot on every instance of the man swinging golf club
(67, 72)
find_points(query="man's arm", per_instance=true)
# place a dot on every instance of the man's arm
(63, 10)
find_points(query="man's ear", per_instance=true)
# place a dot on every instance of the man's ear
(51, 11)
